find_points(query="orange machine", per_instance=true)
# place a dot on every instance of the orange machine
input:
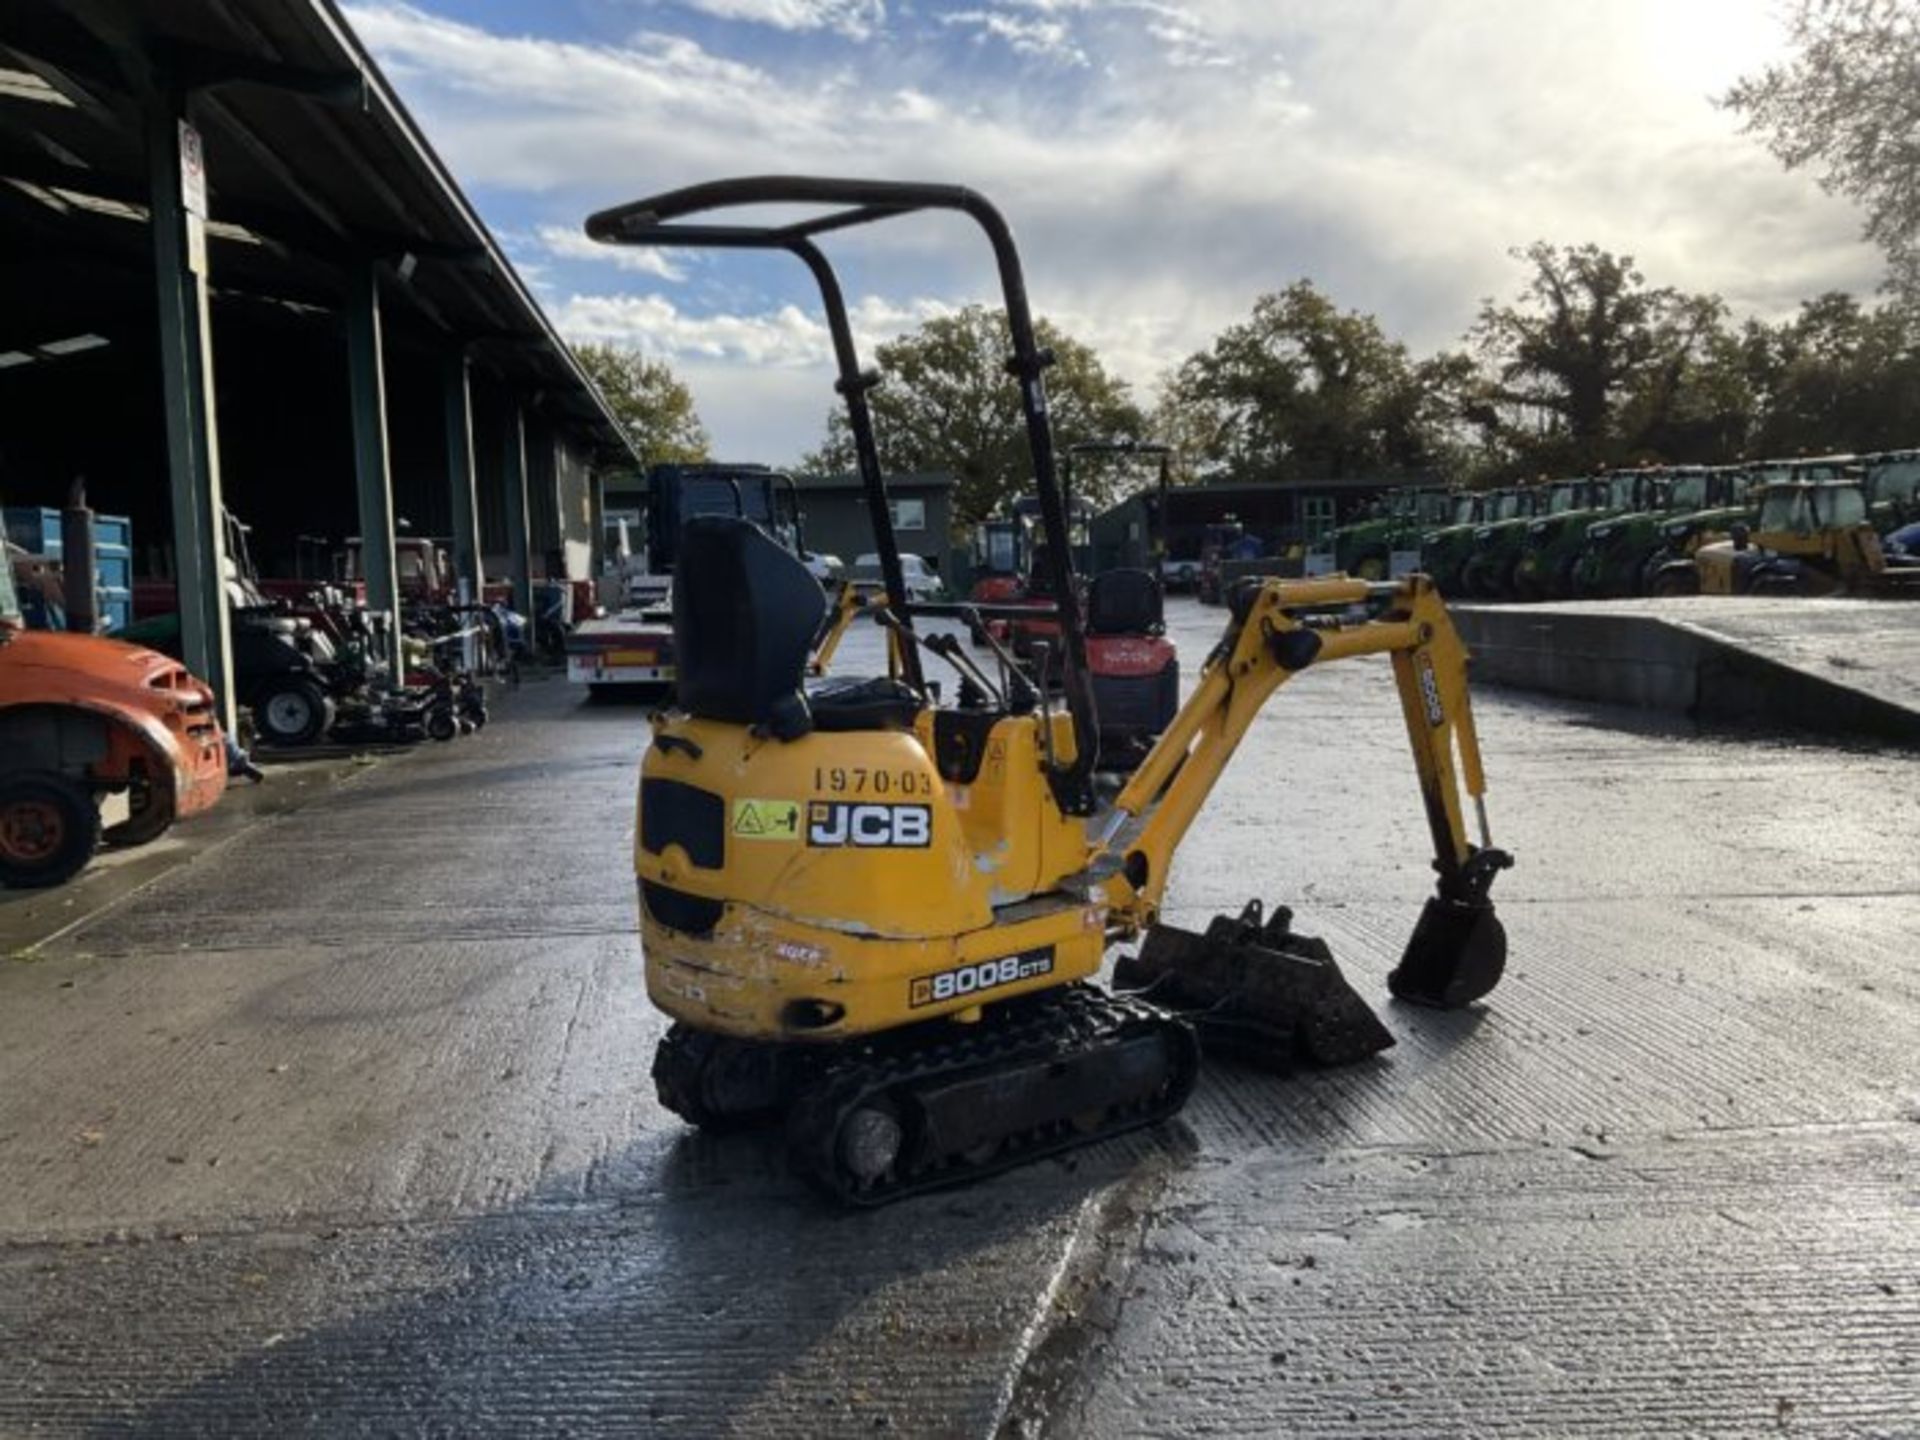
(98, 739)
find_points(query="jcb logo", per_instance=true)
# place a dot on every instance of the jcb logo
(837, 822)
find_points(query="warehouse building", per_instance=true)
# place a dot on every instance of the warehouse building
(236, 274)
(834, 509)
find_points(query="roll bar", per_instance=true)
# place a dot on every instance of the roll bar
(661, 220)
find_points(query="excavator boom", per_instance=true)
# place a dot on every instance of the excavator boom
(1261, 991)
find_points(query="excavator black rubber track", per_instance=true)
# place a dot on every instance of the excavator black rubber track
(1033, 1077)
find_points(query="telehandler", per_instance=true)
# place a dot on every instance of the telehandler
(882, 916)
(1812, 537)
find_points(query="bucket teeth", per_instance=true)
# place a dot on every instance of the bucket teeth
(1257, 992)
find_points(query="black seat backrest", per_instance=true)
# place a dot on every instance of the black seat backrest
(1124, 602)
(745, 612)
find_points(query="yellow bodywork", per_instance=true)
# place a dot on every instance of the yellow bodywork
(854, 926)
(857, 890)
(1846, 558)
(844, 609)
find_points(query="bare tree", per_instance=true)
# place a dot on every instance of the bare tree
(1849, 103)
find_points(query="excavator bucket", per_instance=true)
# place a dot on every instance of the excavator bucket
(1256, 991)
(1455, 955)
(1459, 948)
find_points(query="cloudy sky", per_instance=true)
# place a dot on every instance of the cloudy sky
(1163, 161)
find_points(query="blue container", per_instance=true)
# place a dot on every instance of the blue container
(36, 529)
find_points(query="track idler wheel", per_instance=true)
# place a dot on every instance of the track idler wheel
(718, 1083)
(1256, 991)
(1458, 950)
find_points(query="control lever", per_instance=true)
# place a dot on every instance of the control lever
(1021, 696)
(1041, 654)
(948, 649)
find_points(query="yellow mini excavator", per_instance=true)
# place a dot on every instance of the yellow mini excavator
(881, 916)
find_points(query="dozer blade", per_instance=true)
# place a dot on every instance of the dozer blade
(1257, 992)
(1455, 955)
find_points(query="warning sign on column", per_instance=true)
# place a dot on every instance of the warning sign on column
(766, 819)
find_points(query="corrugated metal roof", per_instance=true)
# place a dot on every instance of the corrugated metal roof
(313, 164)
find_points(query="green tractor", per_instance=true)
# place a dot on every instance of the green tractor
(1444, 551)
(1488, 572)
(1729, 499)
(1551, 549)
(1377, 547)
(1615, 548)
(1893, 488)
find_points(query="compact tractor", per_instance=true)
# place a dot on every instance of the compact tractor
(881, 916)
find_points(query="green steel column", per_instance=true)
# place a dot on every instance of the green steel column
(367, 390)
(466, 514)
(186, 382)
(597, 560)
(518, 569)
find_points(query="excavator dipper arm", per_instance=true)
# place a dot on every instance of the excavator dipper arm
(1279, 630)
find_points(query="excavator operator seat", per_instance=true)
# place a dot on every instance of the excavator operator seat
(745, 612)
(1125, 602)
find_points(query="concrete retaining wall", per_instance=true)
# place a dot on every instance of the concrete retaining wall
(1658, 661)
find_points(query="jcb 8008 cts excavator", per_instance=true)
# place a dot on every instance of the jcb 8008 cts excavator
(882, 916)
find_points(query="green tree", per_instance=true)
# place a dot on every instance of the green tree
(1848, 102)
(1593, 366)
(948, 403)
(651, 403)
(1694, 400)
(1840, 376)
(1554, 364)
(1299, 389)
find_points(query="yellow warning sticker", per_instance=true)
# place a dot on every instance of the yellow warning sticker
(766, 819)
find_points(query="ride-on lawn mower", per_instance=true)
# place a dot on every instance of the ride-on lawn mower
(882, 916)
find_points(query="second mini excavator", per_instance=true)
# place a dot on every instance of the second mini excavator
(882, 916)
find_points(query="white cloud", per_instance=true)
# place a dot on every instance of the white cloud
(1047, 39)
(856, 19)
(566, 244)
(1392, 150)
(785, 337)
(763, 381)
(1185, 41)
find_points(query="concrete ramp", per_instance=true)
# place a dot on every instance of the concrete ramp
(1849, 667)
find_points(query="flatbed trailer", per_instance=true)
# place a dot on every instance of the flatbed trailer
(630, 647)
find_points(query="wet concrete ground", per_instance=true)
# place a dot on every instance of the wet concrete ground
(345, 1127)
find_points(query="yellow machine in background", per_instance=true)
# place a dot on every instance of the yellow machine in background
(1811, 538)
(881, 916)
